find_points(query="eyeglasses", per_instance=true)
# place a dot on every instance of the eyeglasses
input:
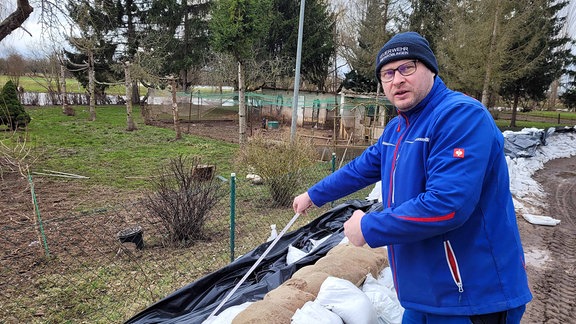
(405, 69)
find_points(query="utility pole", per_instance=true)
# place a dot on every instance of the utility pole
(297, 76)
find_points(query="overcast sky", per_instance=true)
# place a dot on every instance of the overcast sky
(21, 42)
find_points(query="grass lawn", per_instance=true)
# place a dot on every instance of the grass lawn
(40, 84)
(104, 151)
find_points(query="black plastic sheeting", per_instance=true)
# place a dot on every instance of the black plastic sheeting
(526, 142)
(196, 301)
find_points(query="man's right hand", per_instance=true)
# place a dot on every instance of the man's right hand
(302, 203)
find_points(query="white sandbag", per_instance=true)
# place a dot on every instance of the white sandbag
(273, 233)
(348, 301)
(541, 220)
(376, 193)
(294, 254)
(313, 312)
(316, 243)
(227, 315)
(384, 299)
(385, 277)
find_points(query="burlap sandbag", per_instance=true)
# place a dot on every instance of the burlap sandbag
(289, 297)
(343, 261)
(312, 277)
(264, 312)
(352, 263)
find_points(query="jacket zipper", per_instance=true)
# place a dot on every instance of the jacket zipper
(393, 269)
(453, 265)
(396, 156)
(391, 198)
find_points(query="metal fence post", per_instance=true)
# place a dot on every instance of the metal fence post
(333, 162)
(333, 170)
(38, 219)
(232, 213)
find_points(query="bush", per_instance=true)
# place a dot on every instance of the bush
(15, 155)
(279, 163)
(182, 199)
(12, 112)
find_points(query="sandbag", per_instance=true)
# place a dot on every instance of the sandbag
(313, 312)
(345, 261)
(348, 301)
(263, 312)
(384, 300)
(289, 297)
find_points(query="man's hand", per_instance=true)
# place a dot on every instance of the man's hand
(302, 203)
(352, 229)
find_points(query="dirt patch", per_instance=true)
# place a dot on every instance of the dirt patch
(227, 130)
(22, 244)
(551, 251)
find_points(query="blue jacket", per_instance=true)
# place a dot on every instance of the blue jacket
(449, 221)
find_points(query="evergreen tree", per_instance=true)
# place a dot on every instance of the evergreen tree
(542, 51)
(12, 112)
(569, 98)
(464, 50)
(318, 47)
(177, 33)
(372, 34)
(427, 19)
(237, 27)
(97, 25)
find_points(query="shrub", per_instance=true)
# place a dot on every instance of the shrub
(279, 163)
(15, 154)
(182, 200)
(12, 112)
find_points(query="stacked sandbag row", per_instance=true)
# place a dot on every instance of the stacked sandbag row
(343, 261)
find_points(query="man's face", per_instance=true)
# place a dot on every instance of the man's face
(406, 90)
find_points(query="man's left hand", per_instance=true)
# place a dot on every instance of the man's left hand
(353, 230)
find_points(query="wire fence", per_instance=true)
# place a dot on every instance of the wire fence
(106, 264)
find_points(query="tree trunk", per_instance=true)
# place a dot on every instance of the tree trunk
(130, 125)
(490, 60)
(91, 85)
(241, 105)
(66, 109)
(553, 95)
(514, 109)
(175, 115)
(135, 98)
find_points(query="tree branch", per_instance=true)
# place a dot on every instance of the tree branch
(16, 19)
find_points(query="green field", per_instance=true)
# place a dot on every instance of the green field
(41, 84)
(106, 152)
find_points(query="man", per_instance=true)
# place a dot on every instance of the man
(448, 219)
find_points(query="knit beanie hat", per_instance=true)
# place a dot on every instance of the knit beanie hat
(408, 45)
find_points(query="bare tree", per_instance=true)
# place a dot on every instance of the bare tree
(66, 109)
(130, 124)
(15, 66)
(175, 115)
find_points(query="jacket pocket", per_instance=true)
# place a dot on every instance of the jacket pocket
(453, 265)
